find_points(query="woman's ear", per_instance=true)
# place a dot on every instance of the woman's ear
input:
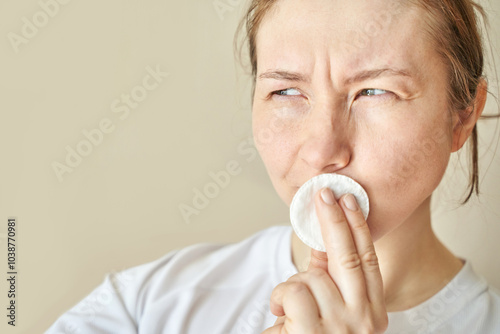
(463, 126)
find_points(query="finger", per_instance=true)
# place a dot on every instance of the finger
(276, 302)
(318, 260)
(366, 250)
(280, 320)
(324, 290)
(297, 303)
(344, 264)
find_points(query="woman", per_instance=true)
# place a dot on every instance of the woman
(380, 91)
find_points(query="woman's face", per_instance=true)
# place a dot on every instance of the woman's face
(354, 88)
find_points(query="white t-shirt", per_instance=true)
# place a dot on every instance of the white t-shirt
(225, 289)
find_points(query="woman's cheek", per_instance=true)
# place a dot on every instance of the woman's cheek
(278, 151)
(272, 138)
(270, 120)
(396, 187)
(417, 165)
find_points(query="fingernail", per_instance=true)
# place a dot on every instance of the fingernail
(350, 202)
(327, 196)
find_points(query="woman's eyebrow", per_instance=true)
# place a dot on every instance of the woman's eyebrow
(360, 76)
(283, 75)
(375, 73)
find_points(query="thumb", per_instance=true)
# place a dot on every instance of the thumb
(318, 260)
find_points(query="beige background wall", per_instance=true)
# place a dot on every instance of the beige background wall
(120, 206)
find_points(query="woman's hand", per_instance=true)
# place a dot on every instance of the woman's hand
(341, 291)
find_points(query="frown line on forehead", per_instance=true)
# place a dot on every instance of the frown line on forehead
(284, 75)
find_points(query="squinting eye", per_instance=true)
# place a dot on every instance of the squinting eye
(372, 91)
(288, 91)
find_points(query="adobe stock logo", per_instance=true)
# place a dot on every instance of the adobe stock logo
(247, 148)
(30, 28)
(122, 107)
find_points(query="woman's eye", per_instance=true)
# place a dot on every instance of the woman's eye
(372, 91)
(287, 92)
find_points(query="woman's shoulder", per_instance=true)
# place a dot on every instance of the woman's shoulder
(486, 309)
(187, 265)
(467, 304)
(127, 299)
(480, 309)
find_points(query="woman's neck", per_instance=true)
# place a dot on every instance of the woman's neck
(414, 264)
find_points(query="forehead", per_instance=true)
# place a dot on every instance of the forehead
(344, 35)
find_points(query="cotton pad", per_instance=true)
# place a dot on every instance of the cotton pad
(303, 211)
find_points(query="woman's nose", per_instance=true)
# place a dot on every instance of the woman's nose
(326, 141)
